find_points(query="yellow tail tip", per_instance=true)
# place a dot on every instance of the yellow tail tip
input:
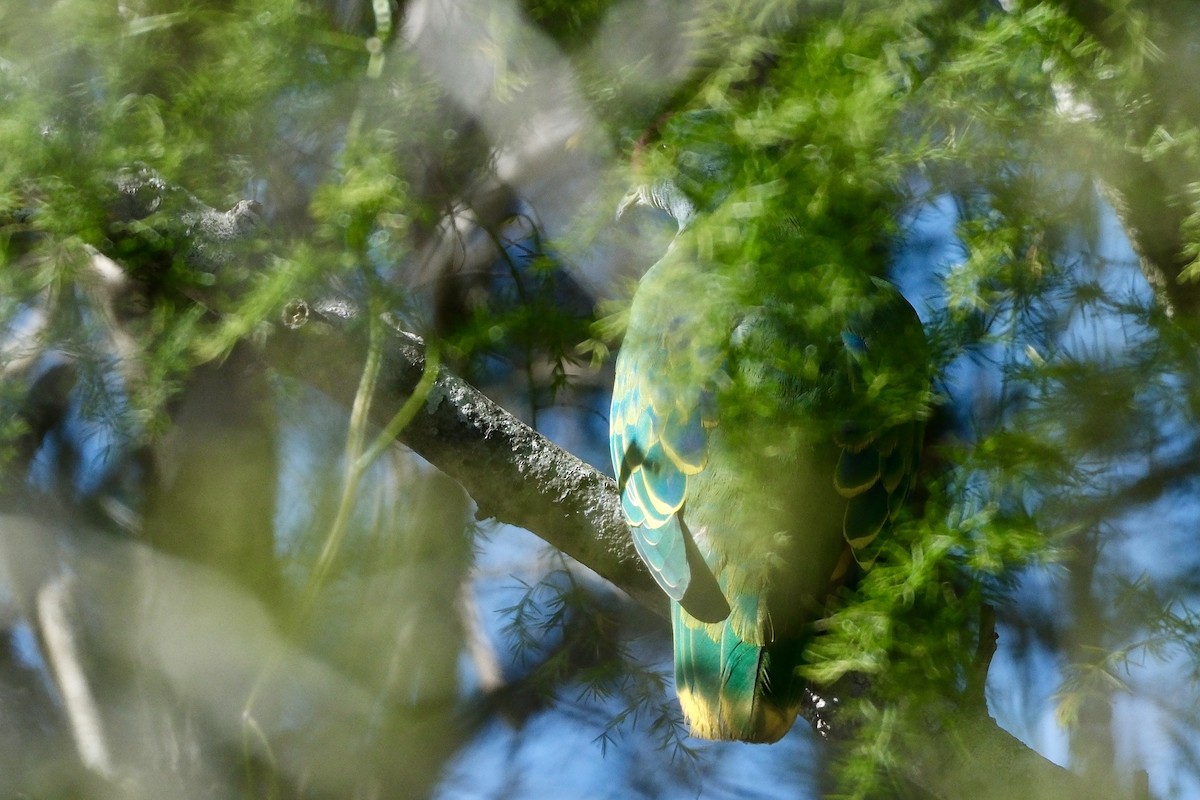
(765, 722)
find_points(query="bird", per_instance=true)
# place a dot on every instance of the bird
(758, 456)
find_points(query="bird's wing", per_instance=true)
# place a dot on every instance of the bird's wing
(878, 463)
(658, 439)
(874, 475)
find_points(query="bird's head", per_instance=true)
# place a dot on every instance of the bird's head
(687, 163)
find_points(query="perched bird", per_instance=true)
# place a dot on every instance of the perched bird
(758, 457)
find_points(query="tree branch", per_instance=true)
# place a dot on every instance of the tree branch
(513, 473)
(1152, 194)
(959, 751)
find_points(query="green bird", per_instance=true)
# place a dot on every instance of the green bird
(758, 456)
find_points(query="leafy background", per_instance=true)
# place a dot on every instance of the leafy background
(263, 615)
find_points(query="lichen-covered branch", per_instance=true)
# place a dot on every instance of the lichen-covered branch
(513, 473)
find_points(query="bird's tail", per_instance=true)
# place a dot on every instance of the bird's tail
(730, 689)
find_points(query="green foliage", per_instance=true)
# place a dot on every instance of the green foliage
(827, 123)
(570, 23)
